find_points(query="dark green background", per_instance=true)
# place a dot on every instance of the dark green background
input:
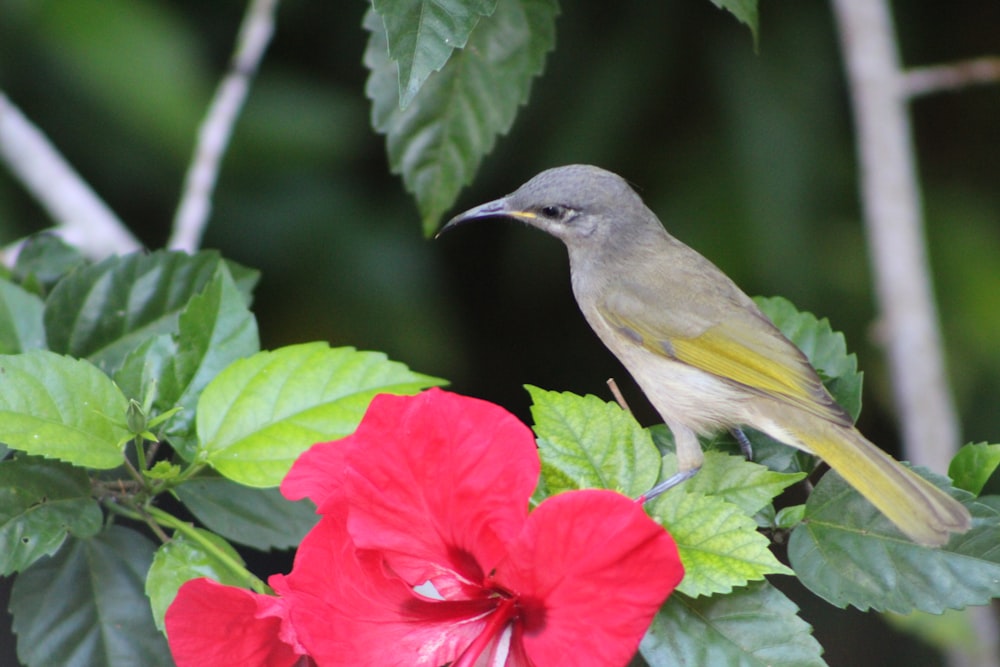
(747, 157)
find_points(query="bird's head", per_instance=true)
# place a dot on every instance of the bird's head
(580, 204)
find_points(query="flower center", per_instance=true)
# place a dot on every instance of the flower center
(496, 635)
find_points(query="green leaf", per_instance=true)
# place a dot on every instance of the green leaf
(61, 408)
(103, 311)
(973, 466)
(438, 141)
(214, 330)
(44, 259)
(848, 553)
(421, 34)
(259, 414)
(86, 606)
(745, 11)
(41, 502)
(756, 626)
(586, 442)
(20, 320)
(718, 542)
(260, 518)
(181, 559)
(747, 485)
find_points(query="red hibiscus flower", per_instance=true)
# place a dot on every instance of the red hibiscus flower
(426, 553)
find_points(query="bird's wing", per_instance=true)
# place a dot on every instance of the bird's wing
(727, 336)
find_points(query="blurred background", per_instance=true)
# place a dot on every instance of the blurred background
(748, 157)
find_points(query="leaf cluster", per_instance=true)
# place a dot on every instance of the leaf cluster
(132, 392)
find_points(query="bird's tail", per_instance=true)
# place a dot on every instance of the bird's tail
(925, 513)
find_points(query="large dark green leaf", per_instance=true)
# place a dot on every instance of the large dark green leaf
(261, 518)
(41, 503)
(421, 35)
(103, 311)
(437, 142)
(756, 626)
(848, 553)
(61, 408)
(86, 606)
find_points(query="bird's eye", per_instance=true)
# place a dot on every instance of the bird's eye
(554, 212)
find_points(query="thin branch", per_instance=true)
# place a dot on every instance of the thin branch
(82, 218)
(891, 203)
(216, 130)
(952, 76)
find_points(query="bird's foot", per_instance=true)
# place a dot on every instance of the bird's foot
(744, 443)
(667, 484)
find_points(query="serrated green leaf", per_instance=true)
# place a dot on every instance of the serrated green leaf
(438, 141)
(756, 626)
(41, 503)
(181, 559)
(61, 408)
(973, 466)
(848, 553)
(86, 606)
(744, 10)
(260, 518)
(44, 259)
(718, 542)
(214, 330)
(101, 312)
(585, 442)
(421, 34)
(260, 413)
(20, 320)
(747, 485)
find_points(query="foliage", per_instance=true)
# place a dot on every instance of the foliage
(133, 393)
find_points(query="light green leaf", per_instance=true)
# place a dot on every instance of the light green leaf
(259, 414)
(260, 518)
(585, 442)
(848, 553)
(20, 320)
(181, 559)
(756, 626)
(421, 35)
(718, 542)
(44, 259)
(61, 408)
(41, 503)
(973, 466)
(86, 606)
(438, 141)
(747, 485)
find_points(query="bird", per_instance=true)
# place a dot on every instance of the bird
(700, 349)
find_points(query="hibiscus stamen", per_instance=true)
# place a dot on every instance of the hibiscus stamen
(498, 627)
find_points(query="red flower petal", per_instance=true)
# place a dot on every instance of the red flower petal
(590, 570)
(209, 624)
(347, 609)
(318, 473)
(439, 484)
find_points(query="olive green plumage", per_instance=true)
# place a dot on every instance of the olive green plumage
(702, 352)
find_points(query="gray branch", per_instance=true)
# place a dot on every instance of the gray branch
(81, 217)
(217, 128)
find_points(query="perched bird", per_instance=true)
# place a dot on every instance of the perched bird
(700, 349)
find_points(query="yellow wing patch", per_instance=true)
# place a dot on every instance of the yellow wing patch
(788, 378)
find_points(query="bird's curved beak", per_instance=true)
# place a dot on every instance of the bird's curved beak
(498, 208)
